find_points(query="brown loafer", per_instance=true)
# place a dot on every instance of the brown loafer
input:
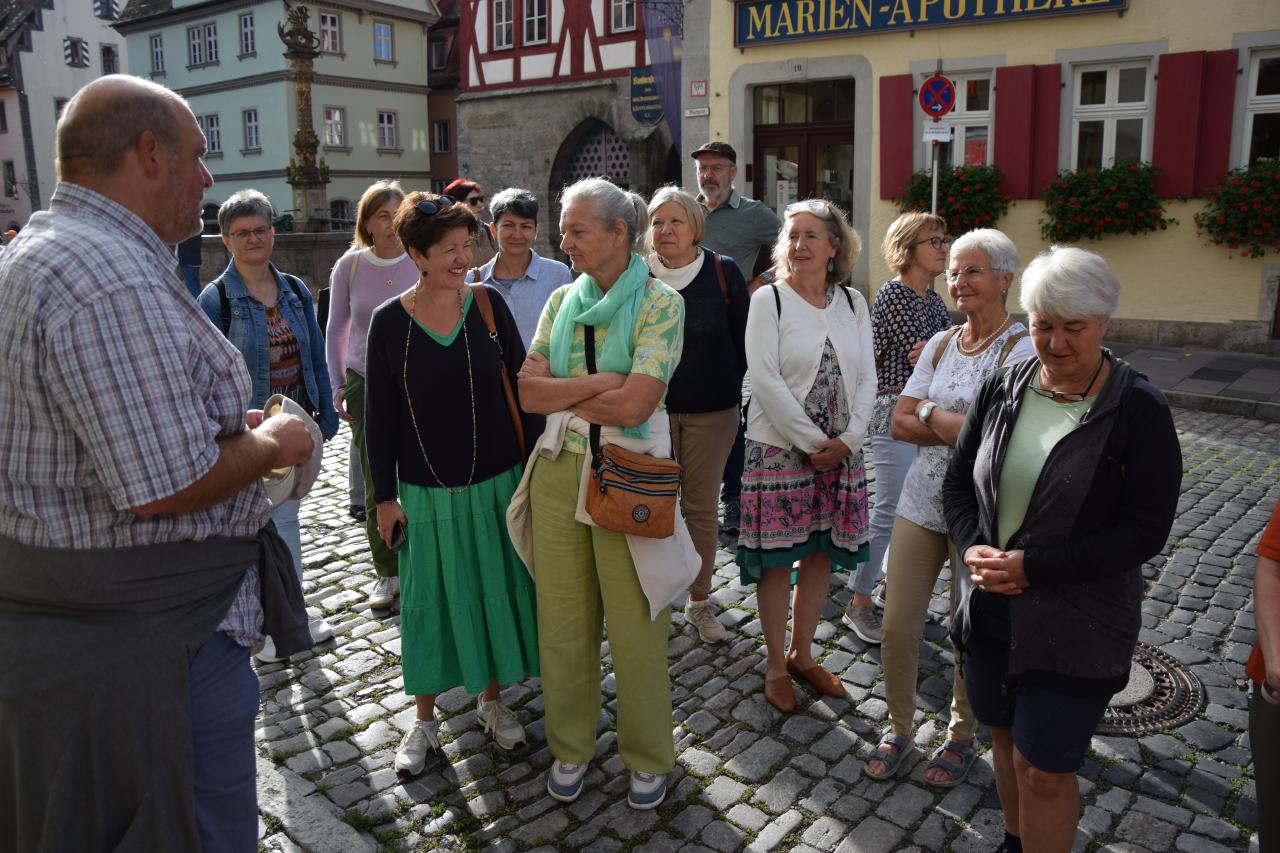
(780, 693)
(818, 678)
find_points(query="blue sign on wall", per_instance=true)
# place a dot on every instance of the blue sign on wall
(646, 103)
(767, 21)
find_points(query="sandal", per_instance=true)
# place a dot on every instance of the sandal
(779, 692)
(957, 771)
(892, 761)
(819, 678)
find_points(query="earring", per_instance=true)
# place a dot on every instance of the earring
(831, 265)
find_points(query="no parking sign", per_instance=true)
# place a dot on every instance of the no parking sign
(937, 96)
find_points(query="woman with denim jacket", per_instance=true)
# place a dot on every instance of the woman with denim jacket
(271, 319)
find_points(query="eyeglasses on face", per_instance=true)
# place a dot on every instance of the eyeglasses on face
(713, 168)
(244, 233)
(967, 272)
(935, 243)
(430, 208)
(476, 201)
(816, 206)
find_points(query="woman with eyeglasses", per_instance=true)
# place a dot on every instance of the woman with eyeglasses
(270, 317)
(445, 459)
(1064, 482)
(469, 194)
(929, 412)
(907, 312)
(804, 493)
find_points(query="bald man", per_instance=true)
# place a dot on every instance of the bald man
(138, 565)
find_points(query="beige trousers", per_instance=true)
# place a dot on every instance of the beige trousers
(701, 443)
(916, 555)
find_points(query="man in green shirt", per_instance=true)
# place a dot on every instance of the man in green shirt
(735, 226)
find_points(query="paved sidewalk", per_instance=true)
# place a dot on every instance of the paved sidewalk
(747, 776)
(1232, 383)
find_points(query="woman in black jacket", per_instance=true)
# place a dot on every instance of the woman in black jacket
(1064, 481)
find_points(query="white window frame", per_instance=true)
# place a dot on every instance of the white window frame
(248, 38)
(1256, 104)
(619, 12)
(202, 44)
(1112, 110)
(388, 130)
(504, 29)
(335, 120)
(441, 136)
(211, 127)
(330, 32)
(962, 117)
(535, 15)
(378, 40)
(211, 42)
(156, 43)
(252, 130)
(10, 179)
(334, 219)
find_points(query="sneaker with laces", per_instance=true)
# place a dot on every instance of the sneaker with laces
(865, 622)
(877, 597)
(497, 719)
(411, 757)
(564, 780)
(701, 615)
(647, 791)
(384, 592)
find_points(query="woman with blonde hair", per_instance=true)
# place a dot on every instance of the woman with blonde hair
(374, 270)
(804, 492)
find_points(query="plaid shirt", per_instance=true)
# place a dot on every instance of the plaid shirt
(113, 389)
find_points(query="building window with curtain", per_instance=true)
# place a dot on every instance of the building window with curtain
(503, 30)
(335, 127)
(1111, 114)
(535, 21)
(388, 132)
(383, 42)
(623, 16)
(1262, 117)
(330, 32)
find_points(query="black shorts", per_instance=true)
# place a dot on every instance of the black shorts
(1051, 728)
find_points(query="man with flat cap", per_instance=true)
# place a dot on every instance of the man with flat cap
(138, 564)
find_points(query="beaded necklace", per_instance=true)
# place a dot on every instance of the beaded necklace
(982, 343)
(471, 386)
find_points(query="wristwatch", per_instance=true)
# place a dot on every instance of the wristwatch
(924, 410)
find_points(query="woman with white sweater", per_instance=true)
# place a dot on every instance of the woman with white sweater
(804, 491)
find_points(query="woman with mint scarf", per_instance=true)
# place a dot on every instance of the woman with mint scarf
(584, 572)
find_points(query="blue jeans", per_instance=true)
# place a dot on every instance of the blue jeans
(286, 518)
(224, 703)
(891, 459)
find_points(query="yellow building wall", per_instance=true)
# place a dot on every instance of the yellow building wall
(1170, 275)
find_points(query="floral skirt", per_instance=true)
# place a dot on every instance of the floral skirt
(789, 511)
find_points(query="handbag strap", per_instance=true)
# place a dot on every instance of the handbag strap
(589, 349)
(724, 287)
(486, 312)
(944, 343)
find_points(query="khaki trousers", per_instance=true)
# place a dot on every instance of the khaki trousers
(701, 442)
(385, 561)
(916, 555)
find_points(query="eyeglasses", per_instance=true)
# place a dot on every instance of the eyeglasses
(935, 243)
(1068, 396)
(477, 201)
(967, 272)
(712, 168)
(243, 233)
(430, 208)
(816, 206)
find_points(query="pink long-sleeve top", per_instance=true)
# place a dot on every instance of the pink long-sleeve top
(353, 296)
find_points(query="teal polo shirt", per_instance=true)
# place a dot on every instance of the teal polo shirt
(740, 228)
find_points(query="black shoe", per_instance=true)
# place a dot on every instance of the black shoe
(732, 518)
(357, 512)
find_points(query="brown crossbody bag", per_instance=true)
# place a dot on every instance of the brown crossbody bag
(630, 492)
(486, 312)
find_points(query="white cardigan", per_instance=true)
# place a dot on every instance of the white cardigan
(783, 354)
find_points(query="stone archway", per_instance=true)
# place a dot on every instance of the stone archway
(592, 149)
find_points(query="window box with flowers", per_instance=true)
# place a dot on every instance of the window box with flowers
(1093, 202)
(1243, 210)
(969, 197)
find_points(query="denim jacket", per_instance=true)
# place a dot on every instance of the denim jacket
(248, 331)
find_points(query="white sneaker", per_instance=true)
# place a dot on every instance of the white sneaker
(497, 719)
(701, 614)
(564, 780)
(267, 654)
(877, 597)
(411, 757)
(321, 631)
(384, 592)
(647, 791)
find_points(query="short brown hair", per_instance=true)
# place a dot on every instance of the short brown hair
(374, 197)
(420, 231)
(901, 238)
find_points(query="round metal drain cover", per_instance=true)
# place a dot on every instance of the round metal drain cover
(1160, 695)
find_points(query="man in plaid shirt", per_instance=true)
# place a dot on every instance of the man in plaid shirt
(137, 561)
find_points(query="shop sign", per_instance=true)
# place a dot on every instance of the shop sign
(761, 22)
(646, 106)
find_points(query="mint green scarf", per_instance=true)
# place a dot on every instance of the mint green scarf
(584, 305)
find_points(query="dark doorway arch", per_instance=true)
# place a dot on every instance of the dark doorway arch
(592, 149)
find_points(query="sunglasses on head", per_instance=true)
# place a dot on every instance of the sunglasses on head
(817, 207)
(430, 208)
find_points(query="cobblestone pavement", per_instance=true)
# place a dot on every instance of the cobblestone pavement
(747, 776)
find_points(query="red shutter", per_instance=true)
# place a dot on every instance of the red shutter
(1015, 126)
(1178, 95)
(897, 148)
(1048, 95)
(1216, 111)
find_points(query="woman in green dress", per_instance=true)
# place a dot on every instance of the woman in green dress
(445, 458)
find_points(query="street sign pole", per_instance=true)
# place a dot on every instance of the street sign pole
(937, 97)
(933, 206)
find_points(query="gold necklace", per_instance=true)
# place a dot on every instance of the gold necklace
(471, 386)
(982, 343)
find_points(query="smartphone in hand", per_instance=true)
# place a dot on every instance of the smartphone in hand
(398, 536)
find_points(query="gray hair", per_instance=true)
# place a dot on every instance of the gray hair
(1067, 282)
(996, 245)
(515, 201)
(244, 203)
(610, 203)
(104, 119)
(847, 242)
(672, 193)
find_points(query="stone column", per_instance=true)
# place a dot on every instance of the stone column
(308, 177)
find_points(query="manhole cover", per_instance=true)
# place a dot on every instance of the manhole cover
(1160, 695)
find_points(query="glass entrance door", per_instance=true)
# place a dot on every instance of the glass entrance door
(804, 143)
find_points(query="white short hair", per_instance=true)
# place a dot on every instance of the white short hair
(999, 249)
(1068, 282)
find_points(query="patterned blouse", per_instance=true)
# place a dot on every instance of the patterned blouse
(286, 358)
(899, 319)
